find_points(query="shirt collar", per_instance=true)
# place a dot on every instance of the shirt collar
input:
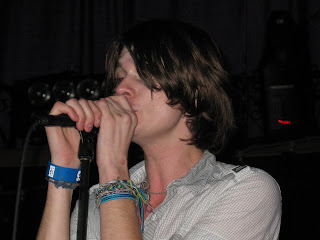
(194, 179)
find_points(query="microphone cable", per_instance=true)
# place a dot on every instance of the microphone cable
(20, 178)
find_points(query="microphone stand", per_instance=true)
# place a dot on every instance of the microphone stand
(86, 154)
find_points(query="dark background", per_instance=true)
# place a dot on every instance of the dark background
(271, 50)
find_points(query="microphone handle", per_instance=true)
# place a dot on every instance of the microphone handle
(62, 120)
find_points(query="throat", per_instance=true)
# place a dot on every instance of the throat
(154, 202)
(154, 198)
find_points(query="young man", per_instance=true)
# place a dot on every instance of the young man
(167, 92)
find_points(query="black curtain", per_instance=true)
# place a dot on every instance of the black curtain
(42, 37)
(50, 37)
(45, 37)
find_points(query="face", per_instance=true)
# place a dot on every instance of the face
(156, 120)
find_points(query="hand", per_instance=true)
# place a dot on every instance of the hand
(64, 142)
(118, 123)
(116, 120)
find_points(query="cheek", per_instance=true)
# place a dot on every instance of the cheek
(164, 116)
(162, 111)
(157, 113)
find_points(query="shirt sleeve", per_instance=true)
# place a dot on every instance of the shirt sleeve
(249, 209)
(93, 227)
(74, 222)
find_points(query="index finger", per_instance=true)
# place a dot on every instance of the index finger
(122, 101)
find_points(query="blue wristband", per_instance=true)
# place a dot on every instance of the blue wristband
(116, 196)
(58, 173)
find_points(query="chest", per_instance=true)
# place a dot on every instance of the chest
(172, 215)
(154, 202)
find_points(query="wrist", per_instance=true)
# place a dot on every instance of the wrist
(67, 163)
(108, 176)
(109, 170)
(62, 176)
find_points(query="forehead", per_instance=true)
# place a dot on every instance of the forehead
(125, 57)
(123, 52)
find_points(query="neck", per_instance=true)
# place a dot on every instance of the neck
(164, 166)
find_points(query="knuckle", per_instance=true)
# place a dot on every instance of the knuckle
(101, 102)
(58, 104)
(82, 100)
(126, 118)
(71, 100)
(89, 118)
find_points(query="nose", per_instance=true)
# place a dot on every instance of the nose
(124, 88)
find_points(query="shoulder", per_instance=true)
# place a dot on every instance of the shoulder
(258, 179)
(219, 176)
(253, 186)
(241, 202)
(245, 174)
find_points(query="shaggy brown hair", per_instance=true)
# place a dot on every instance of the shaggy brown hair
(184, 62)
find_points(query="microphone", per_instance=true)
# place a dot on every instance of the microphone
(62, 120)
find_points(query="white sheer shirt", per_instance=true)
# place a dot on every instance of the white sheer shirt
(214, 200)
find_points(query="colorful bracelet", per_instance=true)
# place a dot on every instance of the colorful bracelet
(110, 197)
(58, 173)
(115, 189)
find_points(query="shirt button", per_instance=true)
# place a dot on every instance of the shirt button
(154, 217)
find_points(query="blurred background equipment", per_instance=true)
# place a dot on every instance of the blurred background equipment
(35, 97)
(287, 78)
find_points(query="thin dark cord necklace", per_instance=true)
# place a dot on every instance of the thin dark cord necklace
(156, 193)
(145, 185)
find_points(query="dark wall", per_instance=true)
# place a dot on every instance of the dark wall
(47, 37)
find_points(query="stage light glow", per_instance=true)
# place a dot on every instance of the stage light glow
(39, 93)
(64, 90)
(89, 89)
(284, 122)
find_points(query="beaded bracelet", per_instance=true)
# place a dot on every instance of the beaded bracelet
(63, 184)
(117, 188)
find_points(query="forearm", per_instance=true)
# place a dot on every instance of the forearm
(56, 216)
(119, 220)
(119, 217)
